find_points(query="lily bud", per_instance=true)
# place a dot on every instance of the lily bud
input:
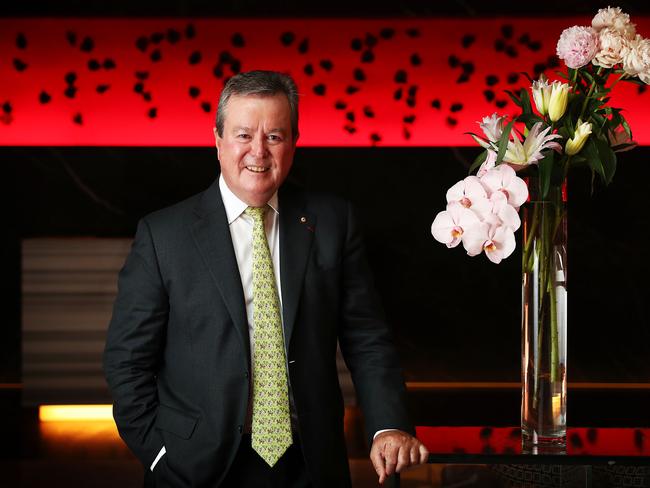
(558, 102)
(575, 145)
(542, 94)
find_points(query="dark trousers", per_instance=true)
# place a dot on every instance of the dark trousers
(250, 470)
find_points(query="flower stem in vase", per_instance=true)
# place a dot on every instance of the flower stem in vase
(544, 319)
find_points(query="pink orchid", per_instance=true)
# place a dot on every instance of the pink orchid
(505, 213)
(471, 194)
(488, 164)
(450, 225)
(504, 179)
(498, 242)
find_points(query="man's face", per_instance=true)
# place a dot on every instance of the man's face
(257, 147)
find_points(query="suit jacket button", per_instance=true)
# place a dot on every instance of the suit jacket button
(240, 428)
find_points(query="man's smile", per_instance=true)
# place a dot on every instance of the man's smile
(257, 169)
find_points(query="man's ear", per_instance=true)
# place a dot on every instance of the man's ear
(217, 140)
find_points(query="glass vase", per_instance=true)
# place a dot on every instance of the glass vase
(544, 320)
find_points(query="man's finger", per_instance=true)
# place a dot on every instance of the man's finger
(414, 455)
(390, 457)
(403, 458)
(424, 454)
(378, 463)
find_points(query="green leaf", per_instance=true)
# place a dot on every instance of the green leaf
(571, 72)
(590, 151)
(503, 142)
(481, 141)
(634, 81)
(607, 159)
(626, 127)
(600, 80)
(623, 147)
(562, 74)
(525, 101)
(529, 119)
(616, 118)
(545, 166)
(530, 80)
(478, 161)
(577, 160)
(587, 76)
(515, 99)
(599, 120)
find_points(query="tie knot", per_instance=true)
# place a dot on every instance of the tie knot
(257, 213)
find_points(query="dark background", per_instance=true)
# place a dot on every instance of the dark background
(455, 318)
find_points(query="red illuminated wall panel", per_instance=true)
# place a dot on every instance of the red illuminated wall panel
(135, 82)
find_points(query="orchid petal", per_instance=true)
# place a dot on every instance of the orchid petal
(510, 217)
(474, 239)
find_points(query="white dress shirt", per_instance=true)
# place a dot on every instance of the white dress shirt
(241, 232)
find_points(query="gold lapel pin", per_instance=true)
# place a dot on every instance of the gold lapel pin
(303, 220)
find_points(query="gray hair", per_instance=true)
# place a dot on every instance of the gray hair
(263, 84)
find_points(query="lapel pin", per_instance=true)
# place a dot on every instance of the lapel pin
(303, 220)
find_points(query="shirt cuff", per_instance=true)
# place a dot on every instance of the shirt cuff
(160, 455)
(376, 433)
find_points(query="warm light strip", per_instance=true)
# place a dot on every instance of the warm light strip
(450, 385)
(57, 413)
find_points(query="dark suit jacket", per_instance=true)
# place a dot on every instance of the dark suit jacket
(177, 356)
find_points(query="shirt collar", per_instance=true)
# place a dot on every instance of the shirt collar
(234, 206)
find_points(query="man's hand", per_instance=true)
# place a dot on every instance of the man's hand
(394, 450)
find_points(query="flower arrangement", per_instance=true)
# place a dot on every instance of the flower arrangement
(573, 126)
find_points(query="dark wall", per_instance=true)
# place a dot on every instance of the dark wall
(456, 318)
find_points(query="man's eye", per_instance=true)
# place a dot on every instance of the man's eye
(243, 136)
(274, 137)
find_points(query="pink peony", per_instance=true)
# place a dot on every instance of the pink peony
(578, 46)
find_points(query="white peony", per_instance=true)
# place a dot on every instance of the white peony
(613, 47)
(637, 59)
(615, 19)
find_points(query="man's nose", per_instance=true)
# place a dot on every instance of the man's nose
(258, 146)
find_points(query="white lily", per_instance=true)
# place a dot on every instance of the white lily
(542, 94)
(575, 144)
(519, 155)
(559, 99)
(492, 126)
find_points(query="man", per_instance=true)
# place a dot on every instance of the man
(221, 350)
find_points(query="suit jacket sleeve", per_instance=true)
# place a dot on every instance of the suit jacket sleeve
(366, 342)
(134, 345)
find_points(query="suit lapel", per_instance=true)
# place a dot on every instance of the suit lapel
(297, 228)
(212, 236)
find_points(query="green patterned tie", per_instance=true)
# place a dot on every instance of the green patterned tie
(271, 423)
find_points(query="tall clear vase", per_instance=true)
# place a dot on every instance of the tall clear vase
(544, 321)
